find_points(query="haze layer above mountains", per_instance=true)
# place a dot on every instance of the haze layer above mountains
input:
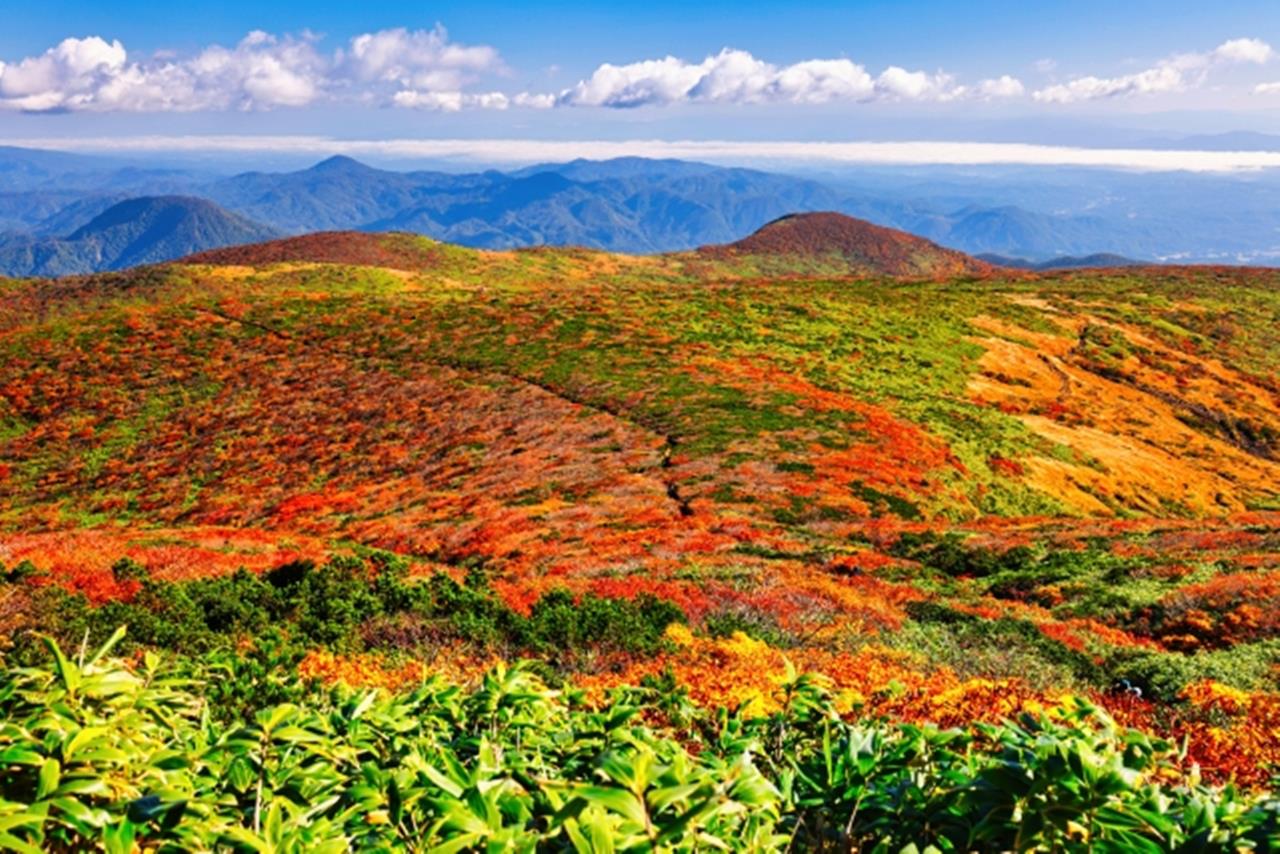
(62, 214)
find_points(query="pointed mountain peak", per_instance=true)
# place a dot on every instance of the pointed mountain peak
(340, 163)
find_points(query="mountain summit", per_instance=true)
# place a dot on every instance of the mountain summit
(862, 247)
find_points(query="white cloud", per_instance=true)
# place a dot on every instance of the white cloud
(514, 151)
(1174, 74)
(416, 59)
(738, 77)
(419, 68)
(1003, 86)
(424, 69)
(450, 102)
(93, 74)
(63, 76)
(1267, 88)
(534, 101)
(898, 83)
(817, 81)
(654, 81)
(1153, 80)
(1244, 50)
(260, 72)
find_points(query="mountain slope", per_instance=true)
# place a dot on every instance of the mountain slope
(136, 231)
(940, 493)
(853, 245)
(393, 251)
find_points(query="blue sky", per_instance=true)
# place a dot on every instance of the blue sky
(1071, 73)
(975, 36)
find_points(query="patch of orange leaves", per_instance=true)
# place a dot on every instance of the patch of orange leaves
(81, 559)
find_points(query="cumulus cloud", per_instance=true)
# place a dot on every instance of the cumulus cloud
(1243, 50)
(425, 69)
(738, 77)
(260, 72)
(63, 76)
(534, 101)
(1003, 86)
(1170, 75)
(416, 59)
(419, 68)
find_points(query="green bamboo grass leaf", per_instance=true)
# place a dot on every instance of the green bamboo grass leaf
(273, 826)
(79, 814)
(66, 671)
(9, 842)
(47, 781)
(295, 735)
(366, 703)
(82, 739)
(247, 837)
(602, 835)
(116, 637)
(459, 843)
(667, 795)
(16, 755)
(109, 684)
(442, 782)
(119, 838)
(619, 801)
(85, 787)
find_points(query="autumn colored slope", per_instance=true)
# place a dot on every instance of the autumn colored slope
(397, 251)
(844, 241)
(970, 486)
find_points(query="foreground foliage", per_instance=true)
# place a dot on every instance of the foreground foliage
(694, 474)
(101, 753)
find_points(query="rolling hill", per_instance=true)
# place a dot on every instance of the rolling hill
(851, 245)
(132, 232)
(823, 487)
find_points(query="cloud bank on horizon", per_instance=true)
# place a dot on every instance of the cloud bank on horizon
(426, 69)
(508, 151)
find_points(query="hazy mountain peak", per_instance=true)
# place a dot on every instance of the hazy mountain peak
(341, 163)
(136, 231)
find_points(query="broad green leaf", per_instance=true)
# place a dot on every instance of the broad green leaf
(47, 782)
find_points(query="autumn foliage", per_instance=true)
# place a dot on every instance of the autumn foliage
(953, 501)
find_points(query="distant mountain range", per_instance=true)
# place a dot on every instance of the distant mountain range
(633, 205)
(1063, 262)
(138, 231)
(626, 205)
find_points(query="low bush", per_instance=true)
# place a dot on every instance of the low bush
(349, 604)
(102, 754)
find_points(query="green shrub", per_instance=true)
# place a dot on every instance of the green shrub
(103, 755)
(349, 604)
